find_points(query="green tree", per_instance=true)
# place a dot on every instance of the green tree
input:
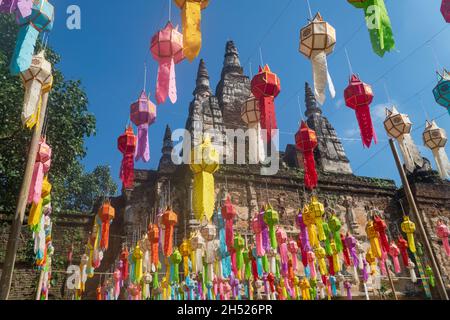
(69, 123)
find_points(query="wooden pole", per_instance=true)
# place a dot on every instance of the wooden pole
(39, 287)
(13, 241)
(390, 280)
(413, 207)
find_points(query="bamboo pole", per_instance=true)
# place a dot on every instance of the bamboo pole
(391, 282)
(13, 241)
(413, 207)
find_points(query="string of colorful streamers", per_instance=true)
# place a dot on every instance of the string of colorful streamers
(191, 21)
(378, 24)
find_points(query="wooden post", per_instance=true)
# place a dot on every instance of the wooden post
(391, 282)
(13, 241)
(39, 286)
(413, 207)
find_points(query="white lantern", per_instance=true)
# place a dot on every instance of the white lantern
(435, 138)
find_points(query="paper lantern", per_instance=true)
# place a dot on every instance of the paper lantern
(175, 260)
(320, 256)
(169, 220)
(309, 218)
(153, 237)
(228, 214)
(372, 235)
(317, 40)
(20, 7)
(257, 230)
(41, 168)
(167, 49)
(191, 15)
(394, 252)
(127, 146)
(317, 208)
(443, 233)
(380, 226)
(265, 87)
(359, 96)
(198, 246)
(40, 20)
(378, 24)
(435, 138)
(251, 115)
(282, 240)
(106, 213)
(442, 90)
(398, 126)
(137, 261)
(185, 250)
(409, 228)
(37, 79)
(204, 162)
(36, 211)
(335, 226)
(293, 249)
(143, 114)
(124, 260)
(239, 245)
(445, 10)
(271, 218)
(306, 142)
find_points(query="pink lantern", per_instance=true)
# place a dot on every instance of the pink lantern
(41, 168)
(445, 9)
(143, 114)
(167, 49)
(443, 233)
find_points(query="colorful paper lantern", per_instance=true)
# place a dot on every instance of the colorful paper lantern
(191, 15)
(40, 20)
(318, 210)
(306, 142)
(185, 250)
(143, 114)
(257, 230)
(37, 79)
(378, 24)
(317, 40)
(443, 233)
(169, 220)
(41, 168)
(37, 209)
(239, 245)
(394, 252)
(137, 261)
(20, 7)
(167, 49)
(372, 235)
(127, 146)
(198, 246)
(409, 228)
(435, 138)
(153, 237)
(228, 214)
(251, 115)
(442, 90)
(265, 87)
(380, 226)
(204, 162)
(271, 218)
(106, 213)
(445, 10)
(359, 96)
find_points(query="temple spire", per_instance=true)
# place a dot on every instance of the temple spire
(231, 63)
(311, 102)
(165, 163)
(202, 82)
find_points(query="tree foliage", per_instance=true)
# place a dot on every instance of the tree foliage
(68, 124)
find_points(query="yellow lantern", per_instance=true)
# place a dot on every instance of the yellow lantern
(316, 208)
(372, 235)
(309, 219)
(204, 162)
(191, 16)
(185, 250)
(409, 228)
(320, 256)
(372, 261)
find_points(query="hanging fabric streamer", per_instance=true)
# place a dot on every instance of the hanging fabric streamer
(442, 90)
(398, 126)
(265, 87)
(143, 114)
(445, 10)
(204, 163)
(251, 115)
(306, 142)
(435, 138)
(37, 79)
(41, 168)
(378, 23)
(317, 40)
(167, 49)
(359, 96)
(127, 146)
(40, 20)
(443, 233)
(191, 15)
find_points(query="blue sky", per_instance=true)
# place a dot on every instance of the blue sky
(109, 52)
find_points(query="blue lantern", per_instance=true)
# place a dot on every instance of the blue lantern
(442, 90)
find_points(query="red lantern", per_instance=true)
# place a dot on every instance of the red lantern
(153, 236)
(169, 220)
(143, 114)
(403, 246)
(41, 168)
(265, 88)
(124, 260)
(445, 9)
(359, 96)
(306, 141)
(228, 213)
(380, 227)
(106, 213)
(127, 146)
(167, 49)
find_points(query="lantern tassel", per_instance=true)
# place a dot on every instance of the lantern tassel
(127, 171)
(166, 85)
(142, 145)
(24, 50)
(192, 36)
(268, 117)
(381, 34)
(366, 126)
(410, 153)
(321, 77)
(311, 178)
(442, 163)
(35, 191)
(168, 240)
(105, 235)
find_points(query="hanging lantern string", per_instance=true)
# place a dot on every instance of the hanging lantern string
(267, 192)
(45, 125)
(170, 193)
(388, 96)
(250, 70)
(436, 59)
(427, 116)
(300, 108)
(348, 61)
(170, 10)
(261, 57)
(145, 75)
(309, 9)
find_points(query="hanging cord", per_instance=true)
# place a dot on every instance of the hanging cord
(436, 59)
(261, 57)
(267, 192)
(300, 108)
(145, 76)
(427, 116)
(170, 10)
(250, 70)
(309, 9)
(388, 96)
(348, 61)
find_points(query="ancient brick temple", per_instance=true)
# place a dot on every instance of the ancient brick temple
(352, 197)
